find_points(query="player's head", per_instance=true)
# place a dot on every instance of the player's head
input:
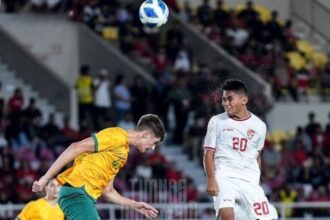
(52, 189)
(234, 97)
(152, 131)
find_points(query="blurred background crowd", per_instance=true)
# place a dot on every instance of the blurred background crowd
(295, 165)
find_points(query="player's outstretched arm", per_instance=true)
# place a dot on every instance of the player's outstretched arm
(113, 196)
(212, 187)
(86, 145)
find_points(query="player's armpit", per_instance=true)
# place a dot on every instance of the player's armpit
(84, 146)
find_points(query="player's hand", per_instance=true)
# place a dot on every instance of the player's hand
(146, 210)
(212, 187)
(39, 185)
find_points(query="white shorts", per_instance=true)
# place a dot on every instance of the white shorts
(241, 194)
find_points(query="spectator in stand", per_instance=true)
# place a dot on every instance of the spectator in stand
(317, 139)
(221, 15)
(140, 97)
(191, 191)
(102, 98)
(274, 26)
(182, 62)
(15, 104)
(288, 34)
(174, 41)
(328, 124)
(303, 79)
(204, 13)
(32, 111)
(173, 173)
(143, 170)
(70, 133)
(123, 15)
(299, 153)
(25, 177)
(160, 99)
(271, 156)
(284, 80)
(326, 141)
(194, 138)
(84, 86)
(303, 137)
(2, 102)
(238, 35)
(92, 13)
(186, 12)
(157, 162)
(248, 58)
(312, 125)
(325, 83)
(51, 131)
(316, 173)
(127, 122)
(180, 97)
(248, 14)
(122, 98)
(173, 5)
(46, 5)
(288, 195)
(160, 63)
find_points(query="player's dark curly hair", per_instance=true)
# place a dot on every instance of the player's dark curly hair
(153, 123)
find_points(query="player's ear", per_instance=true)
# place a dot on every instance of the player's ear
(245, 100)
(146, 133)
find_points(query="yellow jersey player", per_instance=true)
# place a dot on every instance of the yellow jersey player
(45, 208)
(97, 160)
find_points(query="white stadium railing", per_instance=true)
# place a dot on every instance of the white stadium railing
(180, 211)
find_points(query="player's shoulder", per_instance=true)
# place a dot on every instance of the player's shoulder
(113, 131)
(33, 203)
(220, 117)
(258, 122)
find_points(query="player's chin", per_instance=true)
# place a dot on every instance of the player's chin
(230, 113)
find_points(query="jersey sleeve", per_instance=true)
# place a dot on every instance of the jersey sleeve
(211, 135)
(108, 138)
(262, 137)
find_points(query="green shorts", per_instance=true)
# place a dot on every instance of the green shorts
(76, 204)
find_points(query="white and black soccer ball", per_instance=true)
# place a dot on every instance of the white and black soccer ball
(153, 13)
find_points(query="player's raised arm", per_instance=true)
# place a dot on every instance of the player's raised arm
(113, 196)
(86, 145)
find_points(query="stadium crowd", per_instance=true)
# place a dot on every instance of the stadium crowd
(295, 168)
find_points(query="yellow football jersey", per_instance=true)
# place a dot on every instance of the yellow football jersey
(41, 209)
(95, 170)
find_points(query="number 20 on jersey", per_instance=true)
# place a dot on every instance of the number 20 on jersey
(239, 144)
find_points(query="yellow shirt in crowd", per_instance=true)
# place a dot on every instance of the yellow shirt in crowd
(41, 209)
(84, 89)
(95, 170)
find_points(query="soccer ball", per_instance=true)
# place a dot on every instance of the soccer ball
(153, 13)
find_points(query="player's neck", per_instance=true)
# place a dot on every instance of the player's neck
(52, 202)
(241, 115)
(133, 137)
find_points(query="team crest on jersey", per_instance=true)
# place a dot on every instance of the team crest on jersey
(250, 133)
